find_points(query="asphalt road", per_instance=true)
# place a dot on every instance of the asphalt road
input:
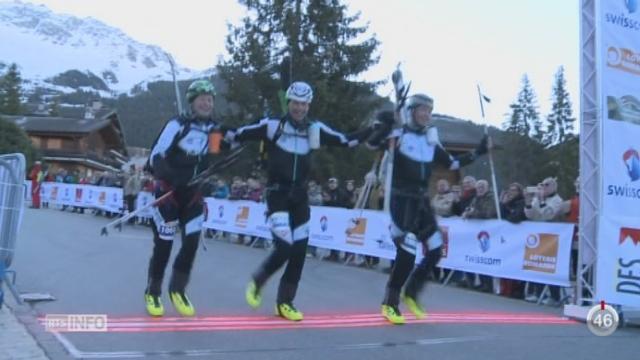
(62, 254)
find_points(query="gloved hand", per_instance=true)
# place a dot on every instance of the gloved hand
(371, 177)
(381, 128)
(385, 119)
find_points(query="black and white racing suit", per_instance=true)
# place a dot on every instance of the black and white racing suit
(179, 154)
(412, 217)
(288, 164)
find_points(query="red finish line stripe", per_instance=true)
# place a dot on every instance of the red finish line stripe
(334, 317)
(275, 321)
(177, 324)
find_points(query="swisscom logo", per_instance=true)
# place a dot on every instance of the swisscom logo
(484, 241)
(623, 19)
(631, 160)
(324, 223)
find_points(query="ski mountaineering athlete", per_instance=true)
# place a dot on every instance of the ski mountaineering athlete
(290, 141)
(416, 149)
(184, 148)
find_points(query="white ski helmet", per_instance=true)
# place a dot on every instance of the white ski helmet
(413, 101)
(417, 100)
(300, 91)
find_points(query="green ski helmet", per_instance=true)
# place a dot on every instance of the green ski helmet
(200, 87)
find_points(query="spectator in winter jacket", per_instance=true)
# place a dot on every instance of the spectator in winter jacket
(238, 189)
(442, 202)
(36, 176)
(350, 190)
(132, 186)
(337, 197)
(314, 191)
(544, 204)
(571, 209)
(483, 205)
(254, 190)
(467, 195)
(222, 190)
(512, 204)
(334, 195)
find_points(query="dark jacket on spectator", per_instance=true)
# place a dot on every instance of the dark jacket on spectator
(465, 200)
(513, 210)
(482, 207)
(254, 194)
(337, 197)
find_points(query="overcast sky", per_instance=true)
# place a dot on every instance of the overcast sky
(446, 46)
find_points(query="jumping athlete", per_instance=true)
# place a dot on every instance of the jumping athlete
(290, 141)
(181, 152)
(416, 150)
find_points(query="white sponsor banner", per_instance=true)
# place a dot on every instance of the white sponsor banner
(359, 231)
(91, 196)
(531, 251)
(621, 170)
(619, 89)
(242, 217)
(618, 275)
(101, 197)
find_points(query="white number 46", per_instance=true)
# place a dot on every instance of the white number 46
(603, 320)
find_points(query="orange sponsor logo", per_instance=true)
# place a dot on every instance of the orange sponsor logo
(623, 59)
(242, 216)
(356, 231)
(541, 253)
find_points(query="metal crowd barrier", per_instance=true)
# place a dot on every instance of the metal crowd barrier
(12, 174)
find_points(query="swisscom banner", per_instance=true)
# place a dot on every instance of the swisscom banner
(530, 251)
(618, 275)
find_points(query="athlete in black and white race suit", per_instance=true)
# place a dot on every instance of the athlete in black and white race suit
(178, 155)
(417, 149)
(290, 141)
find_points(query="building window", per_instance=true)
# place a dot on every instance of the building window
(36, 141)
(69, 144)
(54, 143)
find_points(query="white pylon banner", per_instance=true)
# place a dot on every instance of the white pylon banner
(618, 241)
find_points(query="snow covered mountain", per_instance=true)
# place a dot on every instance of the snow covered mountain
(45, 45)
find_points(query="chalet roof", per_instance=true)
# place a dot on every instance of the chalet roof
(459, 133)
(37, 124)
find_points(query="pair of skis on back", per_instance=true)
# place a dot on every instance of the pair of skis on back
(401, 91)
(199, 180)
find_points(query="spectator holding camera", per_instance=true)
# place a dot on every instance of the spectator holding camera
(543, 203)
